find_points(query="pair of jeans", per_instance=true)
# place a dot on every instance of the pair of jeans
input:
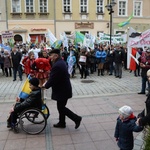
(83, 71)
(118, 69)
(8, 70)
(19, 72)
(144, 80)
(111, 67)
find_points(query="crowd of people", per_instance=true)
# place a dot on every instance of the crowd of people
(25, 59)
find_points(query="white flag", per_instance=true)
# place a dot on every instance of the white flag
(28, 38)
(51, 37)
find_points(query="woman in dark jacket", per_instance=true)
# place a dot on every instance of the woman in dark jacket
(32, 101)
(83, 62)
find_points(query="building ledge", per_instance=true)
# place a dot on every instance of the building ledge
(20, 31)
(43, 13)
(30, 13)
(100, 13)
(84, 13)
(16, 13)
(67, 13)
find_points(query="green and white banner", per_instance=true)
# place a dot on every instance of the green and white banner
(116, 39)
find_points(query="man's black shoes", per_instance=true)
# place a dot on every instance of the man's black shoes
(141, 93)
(58, 125)
(77, 123)
(8, 124)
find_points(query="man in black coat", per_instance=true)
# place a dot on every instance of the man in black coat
(16, 58)
(61, 89)
(118, 59)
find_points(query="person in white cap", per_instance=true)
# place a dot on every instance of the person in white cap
(125, 126)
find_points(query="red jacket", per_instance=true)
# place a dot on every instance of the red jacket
(28, 65)
(42, 64)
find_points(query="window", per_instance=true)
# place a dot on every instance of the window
(84, 32)
(83, 6)
(68, 32)
(67, 5)
(137, 8)
(122, 7)
(16, 6)
(43, 6)
(99, 6)
(98, 33)
(120, 32)
(29, 6)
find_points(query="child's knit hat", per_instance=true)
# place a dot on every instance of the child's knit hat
(34, 82)
(125, 111)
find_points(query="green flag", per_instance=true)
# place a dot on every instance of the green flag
(79, 37)
(122, 24)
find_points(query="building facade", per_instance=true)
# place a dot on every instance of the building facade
(30, 17)
(141, 15)
(92, 16)
(3, 17)
(81, 15)
(36, 17)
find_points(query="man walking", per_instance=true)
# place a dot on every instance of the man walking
(61, 89)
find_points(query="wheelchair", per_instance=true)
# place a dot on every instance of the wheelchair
(33, 121)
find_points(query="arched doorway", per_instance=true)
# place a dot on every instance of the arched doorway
(18, 38)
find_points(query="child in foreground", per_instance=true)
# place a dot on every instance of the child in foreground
(125, 126)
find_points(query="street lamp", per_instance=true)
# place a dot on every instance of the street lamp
(109, 7)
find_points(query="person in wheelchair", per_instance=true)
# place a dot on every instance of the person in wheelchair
(34, 100)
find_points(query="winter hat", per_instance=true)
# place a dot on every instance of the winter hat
(56, 51)
(34, 82)
(125, 111)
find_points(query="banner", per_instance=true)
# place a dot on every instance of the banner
(28, 38)
(8, 37)
(139, 39)
(64, 39)
(133, 59)
(89, 40)
(7, 34)
(51, 37)
(116, 39)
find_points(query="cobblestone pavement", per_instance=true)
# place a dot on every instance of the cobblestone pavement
(96, 99)
(98, 86)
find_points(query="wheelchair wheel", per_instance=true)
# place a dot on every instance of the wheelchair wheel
(32, 121)
(45, 111)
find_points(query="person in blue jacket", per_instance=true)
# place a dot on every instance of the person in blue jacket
(100, 56)
(125, 126)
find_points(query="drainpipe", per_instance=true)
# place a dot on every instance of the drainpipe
(54, 18)
(6, 14)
